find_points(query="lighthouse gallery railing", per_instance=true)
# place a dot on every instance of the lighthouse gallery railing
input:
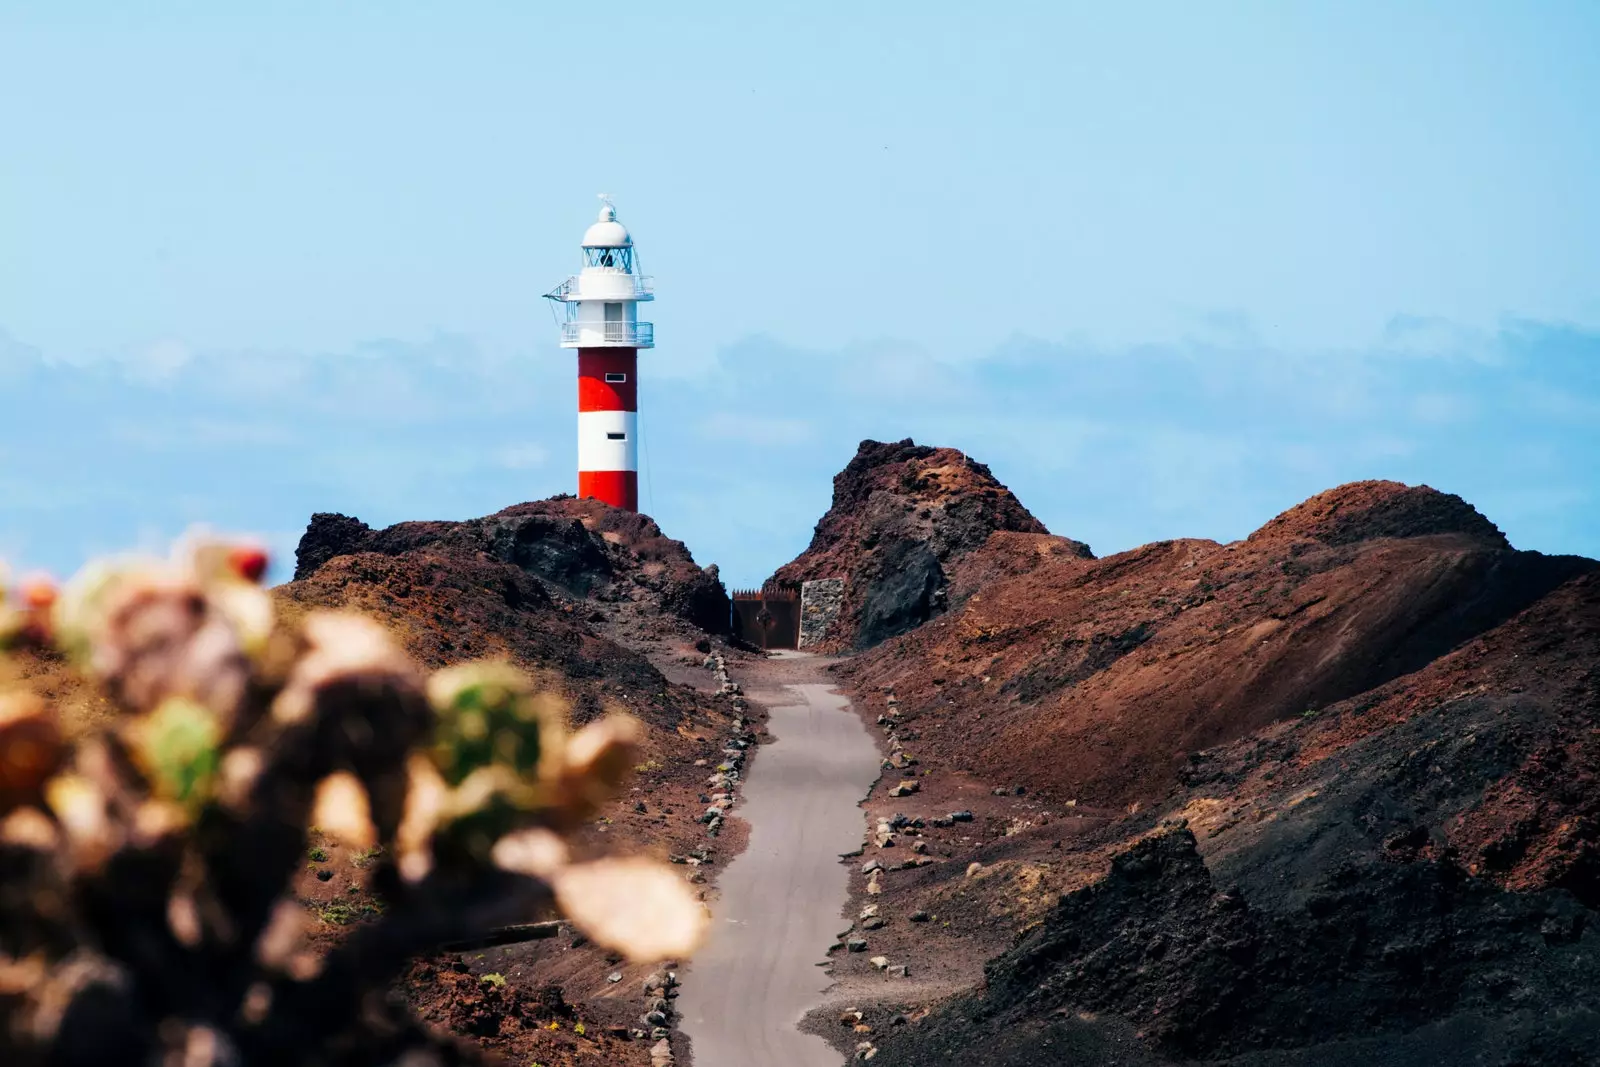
(628, 333)
(643, 286)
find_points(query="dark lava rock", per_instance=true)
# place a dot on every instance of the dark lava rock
(1200, 974)
(903, 596)
(902, 514)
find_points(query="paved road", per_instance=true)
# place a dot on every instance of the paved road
(782, 898)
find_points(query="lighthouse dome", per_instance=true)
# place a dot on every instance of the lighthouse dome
(607, 232)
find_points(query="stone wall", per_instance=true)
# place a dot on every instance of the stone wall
(820, 601)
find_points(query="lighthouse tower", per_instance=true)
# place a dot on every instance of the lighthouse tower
(602, 323)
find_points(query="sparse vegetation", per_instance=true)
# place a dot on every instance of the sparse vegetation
(340, 913)
(363, 858)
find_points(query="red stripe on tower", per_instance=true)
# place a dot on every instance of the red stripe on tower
(602, 323)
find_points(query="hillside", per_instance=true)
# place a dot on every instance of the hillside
(1325, 793)
(1408, 876)
(1048, 652)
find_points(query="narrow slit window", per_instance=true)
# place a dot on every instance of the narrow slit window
(616, 437)
(612, 376)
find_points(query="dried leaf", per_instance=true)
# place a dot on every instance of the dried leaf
(341, 808)
(535, 852)
(632, 906)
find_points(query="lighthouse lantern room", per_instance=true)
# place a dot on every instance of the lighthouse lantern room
(602, 323)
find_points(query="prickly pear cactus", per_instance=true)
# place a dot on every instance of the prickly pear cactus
(145, 913)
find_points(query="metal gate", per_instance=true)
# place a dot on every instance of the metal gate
(768, 617)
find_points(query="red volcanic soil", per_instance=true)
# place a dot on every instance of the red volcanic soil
(1407, 876)
(1095, 679)
(902, 514)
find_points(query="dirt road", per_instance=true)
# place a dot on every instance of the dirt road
(781, 900)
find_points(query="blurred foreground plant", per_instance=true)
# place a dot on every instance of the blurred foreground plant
(145, 907)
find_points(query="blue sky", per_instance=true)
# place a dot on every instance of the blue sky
(1167, 268)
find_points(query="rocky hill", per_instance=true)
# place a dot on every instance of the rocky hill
(1095, 679)
(576, 548)
(903, 514)
(1324, 794)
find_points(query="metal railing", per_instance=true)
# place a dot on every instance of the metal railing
(643, 286)
(642, 334)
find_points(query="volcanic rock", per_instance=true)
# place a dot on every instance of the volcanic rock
(902, 514)
(580, 547)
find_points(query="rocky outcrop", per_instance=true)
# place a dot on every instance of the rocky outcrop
(579, 548)
(902, 515)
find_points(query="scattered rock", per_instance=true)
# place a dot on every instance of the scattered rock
(856, 944)
(879, 963)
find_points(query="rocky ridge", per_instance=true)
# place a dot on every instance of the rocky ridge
(902, 515)
(578, 548)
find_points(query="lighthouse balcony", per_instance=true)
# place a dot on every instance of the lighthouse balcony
(604, 285)
(608, 335)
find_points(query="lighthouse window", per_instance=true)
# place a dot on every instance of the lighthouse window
(616, 437)
(609, 258)
(610, 377)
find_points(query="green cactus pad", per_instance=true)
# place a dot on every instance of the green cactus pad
(179, 748)
(489, 715)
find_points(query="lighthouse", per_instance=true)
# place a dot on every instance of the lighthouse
(601, 321)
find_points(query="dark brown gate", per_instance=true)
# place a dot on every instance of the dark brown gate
(768, 617)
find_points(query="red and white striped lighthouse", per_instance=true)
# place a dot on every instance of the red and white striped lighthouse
(602, 323)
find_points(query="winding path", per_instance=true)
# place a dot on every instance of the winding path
(782, 898)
